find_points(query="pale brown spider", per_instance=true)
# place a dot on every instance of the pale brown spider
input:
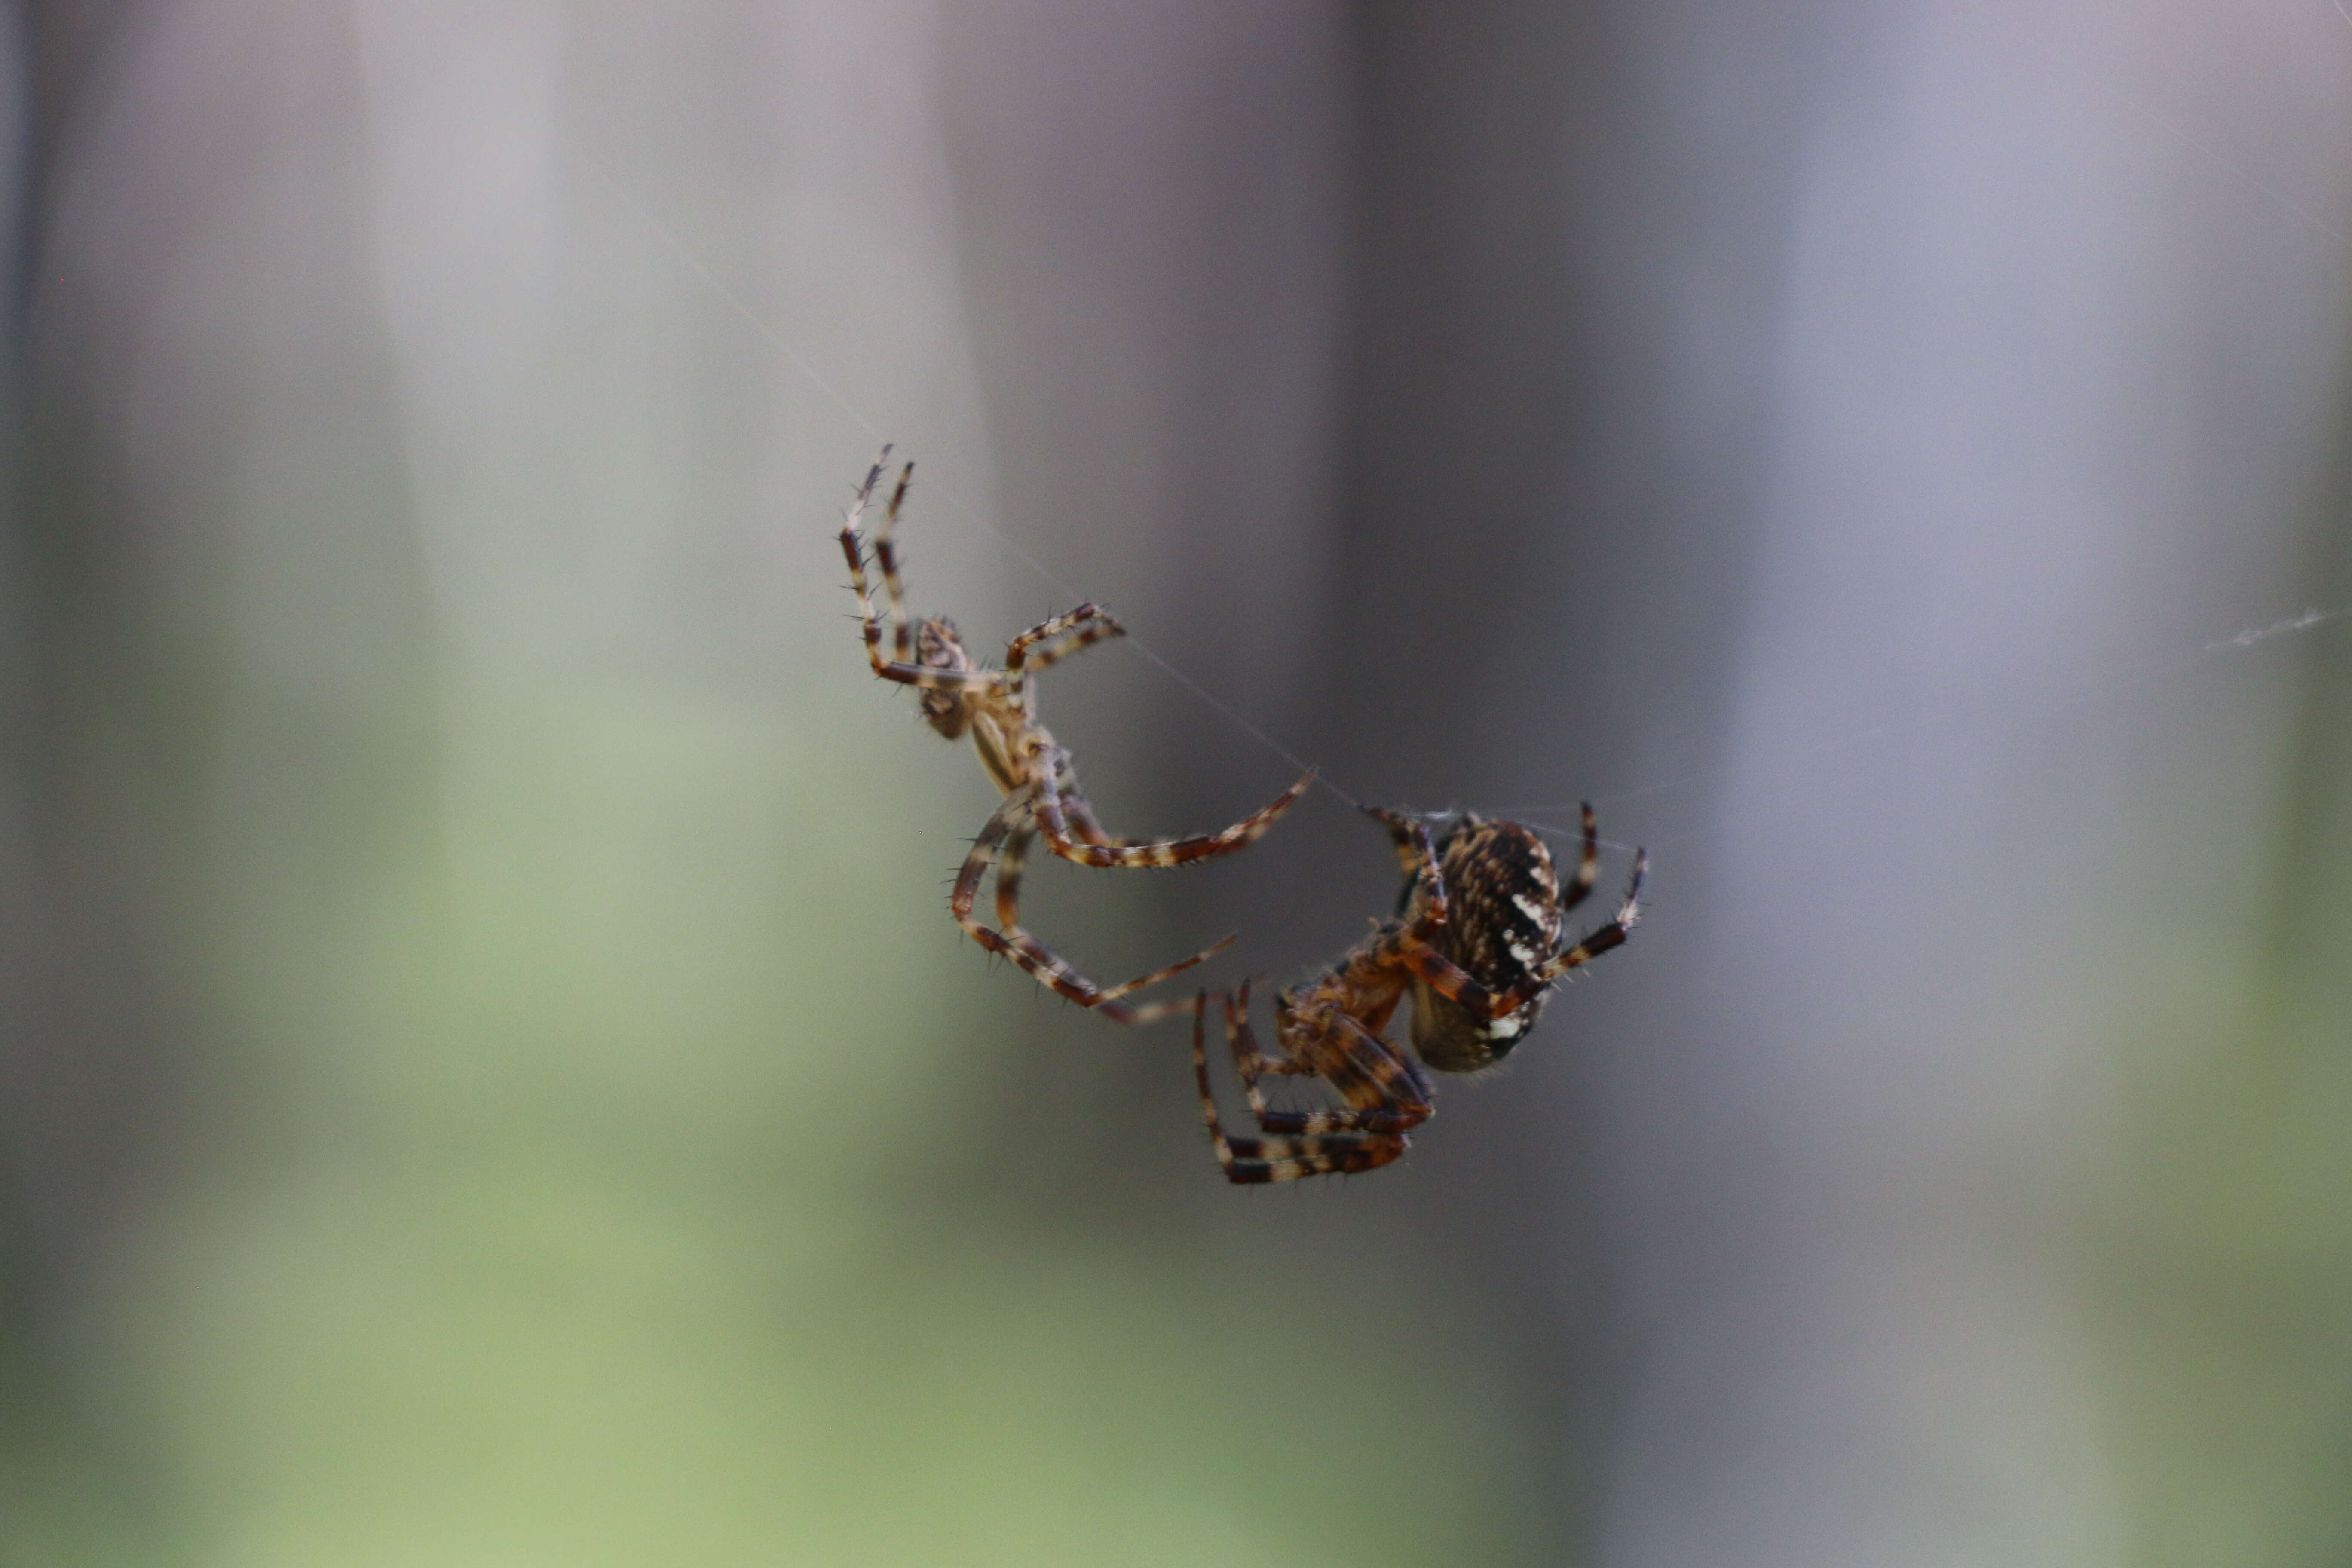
(998, 708)
(1481, 916)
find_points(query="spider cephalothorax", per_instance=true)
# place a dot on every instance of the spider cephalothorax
(998, 708)
(1476, 947)
(946, 710)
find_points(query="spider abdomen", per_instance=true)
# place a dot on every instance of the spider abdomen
(1502, 925)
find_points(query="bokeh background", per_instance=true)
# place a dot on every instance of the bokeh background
(487, 1078)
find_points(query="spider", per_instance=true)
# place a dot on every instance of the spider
(998, 708)
(1475, 942)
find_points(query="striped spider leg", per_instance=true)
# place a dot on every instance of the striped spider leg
(1003, 845)
(1385, 1096)
(997, 709)
(1475, 945)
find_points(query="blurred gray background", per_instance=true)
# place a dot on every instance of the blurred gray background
(486, 1075)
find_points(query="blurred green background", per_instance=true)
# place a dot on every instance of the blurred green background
(486, 1074)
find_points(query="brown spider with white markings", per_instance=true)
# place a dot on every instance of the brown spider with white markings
(1477, 946)
(998, 708)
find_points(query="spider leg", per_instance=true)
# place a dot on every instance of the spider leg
(1013, 856)
(1281, 1159)
(1003, 844)
(1071, 827)
(1588, 863)
(1118, 1012)
(1385, 1073)
(899, 670)
(885, 553)
(1417, 859)
(1050, 641)
(1079, 816)
(1011, 862)
(1103, 850)
(1387, 1094)
(1629, 911)
(853, 550)
(1411, 837)
(1452, 982)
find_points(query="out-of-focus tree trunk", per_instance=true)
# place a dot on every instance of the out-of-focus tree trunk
(1832, 436)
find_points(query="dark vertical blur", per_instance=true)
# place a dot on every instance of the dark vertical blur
(83, 1001)
(1559, 400)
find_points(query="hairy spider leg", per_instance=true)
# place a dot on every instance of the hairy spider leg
(1588, 863)
(883, 553)
(1003, 845)
(1417, 861)
(1410, 835)
(929, 677)
(1384, 1091)
(1012, 859)
(852, 547)
(1281, 1159)
(1100, 849)
(1078, 815)
(1052, 640)
(1063, 634)
(1034, 649)
(886, 551)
